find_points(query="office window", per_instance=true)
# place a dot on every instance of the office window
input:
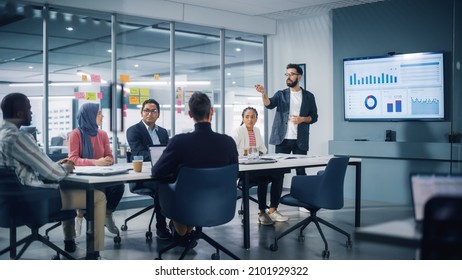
(197, 68)
(244, 69)
(80, 67)
(79, 60)
(21, 56)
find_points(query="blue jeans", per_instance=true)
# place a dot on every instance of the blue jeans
(290, 146)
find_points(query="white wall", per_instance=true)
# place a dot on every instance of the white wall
(309, 41)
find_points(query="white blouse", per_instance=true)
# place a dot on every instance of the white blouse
(241, 137)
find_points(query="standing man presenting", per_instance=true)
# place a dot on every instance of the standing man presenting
(140, 136)
(296, 111)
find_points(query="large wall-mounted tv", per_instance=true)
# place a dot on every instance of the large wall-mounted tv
(397, 87)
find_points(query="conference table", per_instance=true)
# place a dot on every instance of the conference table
(92, 182)
(283, 163)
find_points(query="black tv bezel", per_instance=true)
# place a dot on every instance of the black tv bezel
(396, 119)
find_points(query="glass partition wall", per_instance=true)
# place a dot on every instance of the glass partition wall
(83, 53)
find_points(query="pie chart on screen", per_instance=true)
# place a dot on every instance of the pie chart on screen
(370, 102)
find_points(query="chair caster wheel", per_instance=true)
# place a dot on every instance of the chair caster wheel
(325, 254)
(148, 235)
(124, 227)
(274, 247)
(55, 258)
(117, 239)
(240, 212)
(158, 258)
(215, 256)
(349, 244)
(301, 238)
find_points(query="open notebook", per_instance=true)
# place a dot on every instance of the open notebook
(101, 170)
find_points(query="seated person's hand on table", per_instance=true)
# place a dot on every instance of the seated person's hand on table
(104, 161)
(68, 164)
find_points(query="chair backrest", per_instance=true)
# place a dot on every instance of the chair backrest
(11, 203)
(203, 196)
(326, 189)
(22, 205)
(442, 229)
(57, 141)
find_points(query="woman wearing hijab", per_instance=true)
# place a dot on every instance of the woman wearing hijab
(89, 146)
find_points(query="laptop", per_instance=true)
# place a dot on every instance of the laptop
(426, 186)
(156, 151)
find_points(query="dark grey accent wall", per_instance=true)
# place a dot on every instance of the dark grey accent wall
(400, 26)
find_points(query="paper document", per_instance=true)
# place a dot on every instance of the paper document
(100, 170)
(256, 161)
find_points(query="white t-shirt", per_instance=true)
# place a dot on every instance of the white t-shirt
(295, 104)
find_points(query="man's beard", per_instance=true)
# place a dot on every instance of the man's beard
(291, 84)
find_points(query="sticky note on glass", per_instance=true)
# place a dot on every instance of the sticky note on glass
(144, 92)
(90, 95)
(100, 95)
(143, 98)
(134, 99)
(79, 95)
(95, 78)
(124, 78)
(134, 91)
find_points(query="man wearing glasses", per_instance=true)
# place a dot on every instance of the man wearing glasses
(139, 137)
(296, 111)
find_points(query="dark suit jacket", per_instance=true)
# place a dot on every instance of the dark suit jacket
(200, 148)
(139, 140)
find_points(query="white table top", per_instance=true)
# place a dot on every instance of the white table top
(399, 232)
(286, 161)
(128, 177)
(290, 161)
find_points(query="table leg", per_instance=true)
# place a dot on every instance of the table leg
(358, 195)
(245, 202)
(90, 235)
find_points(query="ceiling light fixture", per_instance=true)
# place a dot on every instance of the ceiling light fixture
(165, 83)
(51, 84)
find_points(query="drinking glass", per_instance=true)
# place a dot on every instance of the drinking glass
(253, 152)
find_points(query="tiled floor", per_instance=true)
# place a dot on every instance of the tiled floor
(134, 245)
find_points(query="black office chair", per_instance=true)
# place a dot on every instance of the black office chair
(57, 141)
(201, 197)
(26, 206)
(324, 190)
(137, 188)
(442, 229)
